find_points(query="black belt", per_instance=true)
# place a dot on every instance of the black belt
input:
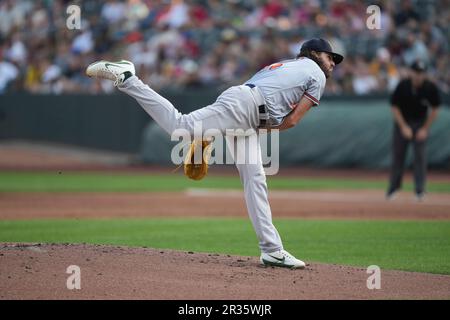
(263, 113)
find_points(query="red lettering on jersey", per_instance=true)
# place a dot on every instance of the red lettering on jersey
(275, 66)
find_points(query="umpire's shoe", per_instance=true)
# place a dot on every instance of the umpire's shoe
(117, 71)
(281, 258)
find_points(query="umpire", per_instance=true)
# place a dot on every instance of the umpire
(415, 104)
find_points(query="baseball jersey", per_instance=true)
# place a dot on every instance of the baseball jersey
(284, 83)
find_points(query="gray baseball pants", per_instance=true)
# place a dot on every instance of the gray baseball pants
(235, 108)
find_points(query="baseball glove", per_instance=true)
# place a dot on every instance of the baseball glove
(197, 171)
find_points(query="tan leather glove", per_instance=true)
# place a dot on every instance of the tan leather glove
(197, 171)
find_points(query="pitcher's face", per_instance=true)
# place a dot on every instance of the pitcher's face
(327, 63)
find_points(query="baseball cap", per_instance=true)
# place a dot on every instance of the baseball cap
(322, 45)
(418, 66)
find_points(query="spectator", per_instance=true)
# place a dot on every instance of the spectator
(8, 73)
(17, 52)
(406, 13)
(227, 40)
(113, 11)
(384, 71)
(363, 81)
(415, 50)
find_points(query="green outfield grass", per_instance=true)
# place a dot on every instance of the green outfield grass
(402, 245)
(107, 182)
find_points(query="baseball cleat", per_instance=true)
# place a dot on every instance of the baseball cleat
(281, 258)
(391, 195)
(115, 71)
(420, 197)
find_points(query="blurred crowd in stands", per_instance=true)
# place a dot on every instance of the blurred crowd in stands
(193, 43)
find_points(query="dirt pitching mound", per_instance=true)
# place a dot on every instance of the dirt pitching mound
(38, 271)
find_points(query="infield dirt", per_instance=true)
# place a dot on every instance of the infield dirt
(38, 271)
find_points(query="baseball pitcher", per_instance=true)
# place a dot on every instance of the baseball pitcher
(277, 97)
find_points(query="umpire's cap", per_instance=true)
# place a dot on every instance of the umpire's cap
(322, 45)
(418, 66)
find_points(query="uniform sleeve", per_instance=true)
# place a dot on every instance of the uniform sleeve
(315, 90)
(396, 96)
(434, 97)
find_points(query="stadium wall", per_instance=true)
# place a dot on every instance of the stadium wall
(342, 132)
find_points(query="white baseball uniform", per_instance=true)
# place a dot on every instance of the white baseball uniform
(277, 87)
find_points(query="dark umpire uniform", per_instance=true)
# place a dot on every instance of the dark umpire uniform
(414, 105)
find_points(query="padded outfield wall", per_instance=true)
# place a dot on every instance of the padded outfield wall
(337, 134)
(342, 132)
